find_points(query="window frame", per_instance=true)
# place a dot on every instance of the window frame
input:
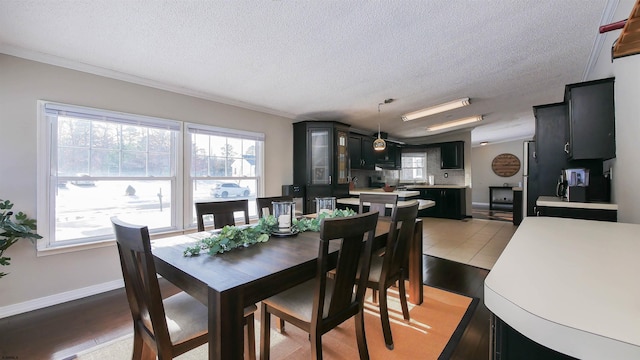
(414, 154)
(180, 178)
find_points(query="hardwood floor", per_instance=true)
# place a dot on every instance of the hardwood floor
(60, 331)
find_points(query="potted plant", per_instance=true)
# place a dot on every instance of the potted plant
(13, 230)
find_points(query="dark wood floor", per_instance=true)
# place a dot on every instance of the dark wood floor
(60, 331)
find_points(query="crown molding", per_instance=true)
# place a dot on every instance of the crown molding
(116, 75)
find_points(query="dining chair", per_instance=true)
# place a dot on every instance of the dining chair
(391, 267)
(163, 328)
(222, 211)
(378, 202)
(266, 203)
(319, 305)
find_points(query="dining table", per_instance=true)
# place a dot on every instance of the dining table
(228, 282)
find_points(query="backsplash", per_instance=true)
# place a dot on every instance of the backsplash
(453, 176)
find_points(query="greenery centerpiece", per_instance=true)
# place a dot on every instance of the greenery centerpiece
(13, 230)
(231, 237)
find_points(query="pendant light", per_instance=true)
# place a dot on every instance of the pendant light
(379, 144)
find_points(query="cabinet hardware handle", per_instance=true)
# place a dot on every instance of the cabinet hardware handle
(566, 147)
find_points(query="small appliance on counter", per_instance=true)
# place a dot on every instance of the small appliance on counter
(573, 185)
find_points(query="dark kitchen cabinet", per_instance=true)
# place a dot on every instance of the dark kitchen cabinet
(578, 213)
(591, 120)
(321, 159)
(361, 153)
(452, 155)
(450, 203)
(390, 157)
(507, 343)
(551, 127)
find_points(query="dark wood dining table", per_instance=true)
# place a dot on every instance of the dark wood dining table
(230, 281)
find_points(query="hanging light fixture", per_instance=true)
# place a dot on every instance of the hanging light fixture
(379, 144)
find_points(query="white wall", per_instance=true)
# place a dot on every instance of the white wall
(482, 174)
(23, 82)
(626, 169)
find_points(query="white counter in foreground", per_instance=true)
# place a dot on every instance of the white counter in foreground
(422, 204)
(571, 285)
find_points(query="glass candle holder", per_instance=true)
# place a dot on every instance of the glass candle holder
(325, 205)
(283, 211)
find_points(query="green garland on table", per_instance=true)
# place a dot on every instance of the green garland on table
(231, 237)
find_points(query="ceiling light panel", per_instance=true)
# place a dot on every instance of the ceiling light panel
(436, 109)
(450, 124)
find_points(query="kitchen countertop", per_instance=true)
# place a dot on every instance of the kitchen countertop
(570, 285)
(402, 194)
(552, 201)
(424, 186)
(422, 204)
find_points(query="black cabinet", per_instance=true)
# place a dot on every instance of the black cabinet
(450, 203)
(452, 155)
(321, 159)
(507, 343)
(390, 157)
(551, 127)
(591, 120)
(361, 153)
(577, 213)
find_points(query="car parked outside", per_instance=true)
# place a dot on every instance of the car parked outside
(230, 189)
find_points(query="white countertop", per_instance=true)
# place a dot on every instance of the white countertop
(422, 204)
(552, 201)
(401, 193)
(571, 285)
(435, 186)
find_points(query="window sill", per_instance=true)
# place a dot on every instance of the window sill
(44, 250)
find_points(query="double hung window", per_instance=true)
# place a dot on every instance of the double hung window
(94, 164)
(414, 167)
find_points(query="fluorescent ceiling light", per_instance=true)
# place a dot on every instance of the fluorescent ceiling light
(436, 109)
(450, 124)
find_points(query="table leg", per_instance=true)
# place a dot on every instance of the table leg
(415, 266)
(226, 319)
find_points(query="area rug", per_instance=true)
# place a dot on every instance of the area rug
(432, 333)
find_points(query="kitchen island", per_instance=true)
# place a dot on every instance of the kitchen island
(571, 287)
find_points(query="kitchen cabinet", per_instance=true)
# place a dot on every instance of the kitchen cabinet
(591, 120)
(320, 158)
(585, 214)
(390, 157)
(361, 153)
(450, 203)
(452, 155)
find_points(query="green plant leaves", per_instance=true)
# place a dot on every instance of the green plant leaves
(231, 237)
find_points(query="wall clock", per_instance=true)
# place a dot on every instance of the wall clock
(505, 165)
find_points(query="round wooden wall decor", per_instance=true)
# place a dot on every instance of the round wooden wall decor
(505, 165)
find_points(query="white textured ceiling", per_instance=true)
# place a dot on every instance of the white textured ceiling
(327, 59)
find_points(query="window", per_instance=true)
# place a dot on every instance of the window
(95, 164)
(414, 166)
(225, 165)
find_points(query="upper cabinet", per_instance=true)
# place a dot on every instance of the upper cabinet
(320, 153)
(361, 153)
(452, 155)
(591, 119)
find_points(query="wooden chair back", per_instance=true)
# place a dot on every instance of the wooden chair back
(141, 285)
(378, 202)
(222, 211)
(396, 256)
(266, 203)
(350, 232)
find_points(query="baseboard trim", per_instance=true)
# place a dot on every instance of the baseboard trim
(480, 205)
(35, 304)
